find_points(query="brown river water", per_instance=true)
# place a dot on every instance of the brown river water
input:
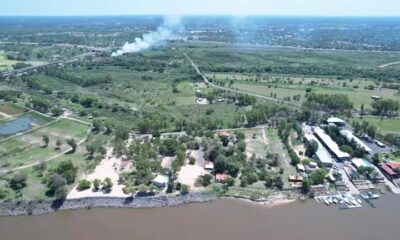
(222, 219)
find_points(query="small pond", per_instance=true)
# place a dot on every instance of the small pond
(21, 124)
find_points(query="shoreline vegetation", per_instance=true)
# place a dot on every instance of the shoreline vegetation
(41, 207)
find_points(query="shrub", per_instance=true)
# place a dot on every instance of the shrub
(185, 189)
(84, 184)
(96, 184)
(17, 182)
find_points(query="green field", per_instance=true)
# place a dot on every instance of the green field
(288, 86)
(384, 125)
(6, 65)
(35, 189)
(27, 148)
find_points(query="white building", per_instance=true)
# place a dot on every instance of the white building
(322, 154)
(336, 121)
(160, 181)
(330, 145)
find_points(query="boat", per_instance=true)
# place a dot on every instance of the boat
(335, 200)
(330, 200)
(346, 200)
(381, 190)
(354, 202)
(370, 195)
(359, 201)
(325, 201)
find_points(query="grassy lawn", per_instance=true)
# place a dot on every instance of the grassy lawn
(385, 126)
(35, 189)
(11, 109)
(28, 148)
(358, 97)
(65, 128)
(272, 134)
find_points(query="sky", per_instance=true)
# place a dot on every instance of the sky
(200, 7)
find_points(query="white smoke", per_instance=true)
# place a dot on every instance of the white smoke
(164, 32)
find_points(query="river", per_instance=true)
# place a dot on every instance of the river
(223, 219)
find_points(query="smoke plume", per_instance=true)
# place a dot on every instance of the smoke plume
(163, 32)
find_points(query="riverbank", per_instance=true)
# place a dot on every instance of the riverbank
(21, 208)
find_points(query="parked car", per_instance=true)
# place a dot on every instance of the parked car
(380, 144)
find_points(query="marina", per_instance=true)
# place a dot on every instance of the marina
(347, 201)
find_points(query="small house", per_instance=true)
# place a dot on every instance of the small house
(160, 181)
(209, 166)
(300, 168)
(221, 178)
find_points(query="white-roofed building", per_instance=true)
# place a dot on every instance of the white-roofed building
(330, 145)
(359, 162)
(337, 121)
(350, 136)
(301, 168)
(160, 181)
(322, 154)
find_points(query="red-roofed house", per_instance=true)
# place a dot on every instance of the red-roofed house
(223, 134)
(390, 169)
(221, 178)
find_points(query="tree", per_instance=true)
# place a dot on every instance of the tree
(312, 148)
(375, 159)
(96, 184)
(57, 186)
(71, 142)
(46, 140)
(184, 189)
(170, 186)
(18, 181)
(306, 186)
(107, 184)
(56, 111)
(61, 193)
(371, 131)
(3, 193)
(318, 176)
(55, 181)
(58, 143)
(84, 184)
(67, 170)
(90, 149)
(230, 181)
(40, 104)
(204, 180)
(385, 107)
(96, 125)
(169, 147)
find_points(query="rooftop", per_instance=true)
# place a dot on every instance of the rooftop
(322, 154)
(387, 169)
(350, 136)
(359, 162)
(330, 143)
(335, 120)
(161, 179)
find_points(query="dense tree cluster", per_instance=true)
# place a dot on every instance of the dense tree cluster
(79, 80)
(385, 107)
(330, 102)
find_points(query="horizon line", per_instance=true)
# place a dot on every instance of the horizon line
(209, 15)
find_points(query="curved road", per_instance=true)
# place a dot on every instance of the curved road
(234, 90)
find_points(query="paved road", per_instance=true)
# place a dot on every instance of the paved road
(234, 90)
